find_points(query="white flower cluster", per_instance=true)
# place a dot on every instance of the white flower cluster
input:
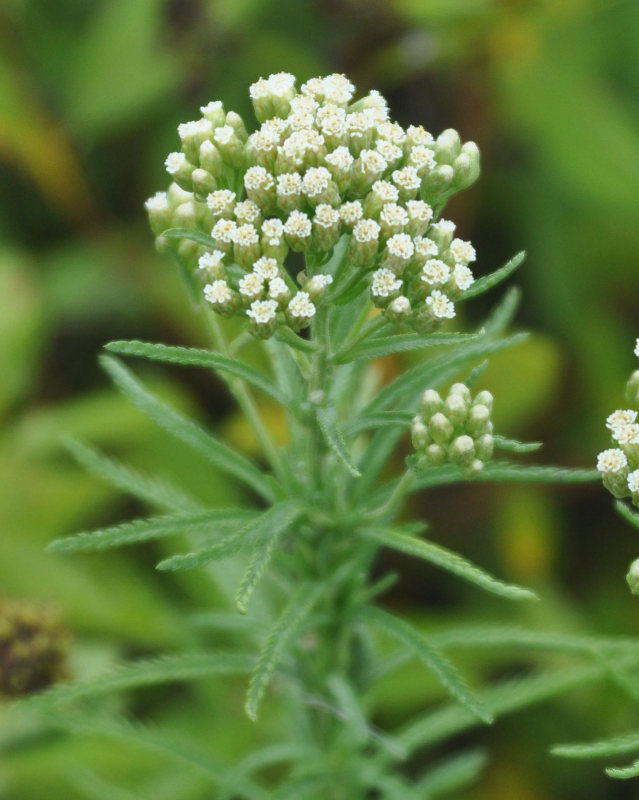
(619, 465)
(457, 429)
(320, 166)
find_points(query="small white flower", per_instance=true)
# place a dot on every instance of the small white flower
(620, 418)
(257, 179)
(366, 230)
(359, 125)
(401, 246)
(351, 213)
(627, 434)
(251, 286)
(298, 224)
(425, 248)
(273, 230)
(214, 107)
(211, 261)
(417, 135)
(200, 127)
(435, 272)
(637, 348)
(277, 289)
(385, 283)
(633, 482)
(224, 230)
(386, 192)
(612, 461)
(440, 305)
(422, 158)
(313, 88)
(218, 293)
(419, 211)
(463, 252)
(463, 277)
(223, 135)
(392, 131)
(159, 202)
(221, 201)
(337, 89)
(301, 307)
(326, 216)
(340, 159)
(245, 236)
(289, 184)
(304, 104)
(394, 216)
(175, 162)
(372, 163)
(390, 152)
(322, 281)
(407, 179)
(262, 311)
(316, 181)
(266, 268)
(247, 212)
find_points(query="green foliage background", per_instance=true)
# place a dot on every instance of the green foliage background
(90, 95)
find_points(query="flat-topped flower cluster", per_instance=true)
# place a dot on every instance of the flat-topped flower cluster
(321, 166)
(619, 465)
(455, 429)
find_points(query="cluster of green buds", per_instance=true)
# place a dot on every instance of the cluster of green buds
(619, 465)
(320, 167)
(457, 429)
(33, 648)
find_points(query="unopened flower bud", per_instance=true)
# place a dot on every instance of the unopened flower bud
(399, 309)
(478, 421)
(235, 121)
(159, 211)
(434, 455)
(432, 402)
(203, 182)
(440, 428)
(485, 446)
(419, 434)
(633, 577)
(447, 146)
(214, 112)
(180, 169)
(462, 451)
(317, 286)
(483, 398)
(230, 146)
(456, 409)
(210, 158)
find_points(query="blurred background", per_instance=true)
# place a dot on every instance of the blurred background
(91, 92)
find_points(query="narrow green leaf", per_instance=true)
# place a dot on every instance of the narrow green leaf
(273, 528)
(623, 773)
(435, 661)
(515, 446)
(143, 530)
(192, 234)
(400, 343)
(627, 513)
(503, 471)
(603, 748)
(436, 371)
(383, 419)
(147, 672)
(157, 492)
(448, 560)
(277, 642)
(192, 356)
(218, 453)
(503, 698)
(452, 774)
(334, 439)
(503, 313)
(274, 521)
(487, 282)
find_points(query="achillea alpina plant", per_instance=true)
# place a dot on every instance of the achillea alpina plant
(321, 231)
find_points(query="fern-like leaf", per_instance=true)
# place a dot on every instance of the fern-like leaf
(272, 522)
(624, 773)
(277, 642)
(400, 343)
(156, 492)
(192, 356)
(453, 774)
(515, 446)
(445, 672)
(448, 560)
(143, 530)
(334, 439)
(627, 513)
(191, 434)
(487, 282)
(191, 234)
